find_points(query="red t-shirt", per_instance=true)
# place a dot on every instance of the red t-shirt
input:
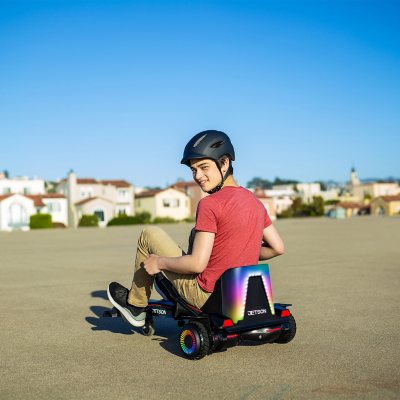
(238, 219)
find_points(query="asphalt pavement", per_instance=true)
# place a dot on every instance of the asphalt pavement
(342, 277)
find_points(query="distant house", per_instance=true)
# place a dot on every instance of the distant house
(349, 209)
(386, 205)
(308, 190)
(268, 203)
(104, 198)
(282, 197)
(169, 202)
(16, 209)
(21, 185)
(375, 189)
(193, 190)
(103, 208)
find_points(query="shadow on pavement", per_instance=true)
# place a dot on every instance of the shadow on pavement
(102, 294)
(166, 330)
(167, 334)
(115, 325)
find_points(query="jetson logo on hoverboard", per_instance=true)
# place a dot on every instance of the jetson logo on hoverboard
(257, 312)
(159, 311)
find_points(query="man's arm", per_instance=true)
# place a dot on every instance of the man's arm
(193, 263)
(272, 244)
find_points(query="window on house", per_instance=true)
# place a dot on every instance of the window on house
(27, 190)
(171, 203)
(86, 192)
(54, 207)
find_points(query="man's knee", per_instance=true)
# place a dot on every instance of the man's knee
(150, 233)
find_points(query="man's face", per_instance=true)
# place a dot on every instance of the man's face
(205, 173)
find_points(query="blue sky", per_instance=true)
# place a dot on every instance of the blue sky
(115, 89)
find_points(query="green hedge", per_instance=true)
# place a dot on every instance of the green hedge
(88, 220)
(40, 221)
(140, 218)
(164, 220)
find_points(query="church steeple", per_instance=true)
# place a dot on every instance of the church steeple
(354, 180)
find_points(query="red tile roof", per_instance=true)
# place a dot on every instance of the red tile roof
(4, 196)
(148, 193)
(86, 181)
(116, 183)
(182, 185)
(260, 194)
(347, 205)
(391, 198)
(91, 181)
(37, 198)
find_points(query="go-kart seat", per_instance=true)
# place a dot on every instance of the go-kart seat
(242, 294)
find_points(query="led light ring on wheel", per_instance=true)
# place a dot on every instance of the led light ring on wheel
(185, 335)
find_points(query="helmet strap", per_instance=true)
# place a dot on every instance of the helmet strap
(223, 176)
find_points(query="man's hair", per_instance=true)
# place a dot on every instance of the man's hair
(220, 162)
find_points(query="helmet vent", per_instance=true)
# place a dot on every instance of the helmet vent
(199, 140)
(217, 144)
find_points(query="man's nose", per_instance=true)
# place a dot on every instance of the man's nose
(199, 174)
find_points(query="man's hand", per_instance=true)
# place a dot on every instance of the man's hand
(152, 264)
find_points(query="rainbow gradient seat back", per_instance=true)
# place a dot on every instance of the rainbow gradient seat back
(243, 294)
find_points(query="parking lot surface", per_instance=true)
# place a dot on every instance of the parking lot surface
(342, 277)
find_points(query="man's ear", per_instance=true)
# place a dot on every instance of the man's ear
(225, 165)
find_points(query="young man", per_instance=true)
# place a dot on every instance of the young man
(232, 229)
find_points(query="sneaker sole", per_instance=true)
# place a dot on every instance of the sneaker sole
(127, 315)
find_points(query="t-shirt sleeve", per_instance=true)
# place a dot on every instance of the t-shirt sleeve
(267, 220)
(206, 219)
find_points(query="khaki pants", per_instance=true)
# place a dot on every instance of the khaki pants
(154, 240)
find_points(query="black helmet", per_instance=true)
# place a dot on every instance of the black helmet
(208, 144)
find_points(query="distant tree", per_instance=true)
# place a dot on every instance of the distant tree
(279, 181)
(50, 186)
(331, 202)
(6, 174)
(258, 182)
(299, 209)
(323, 185)
(318, 206)
(152, 187)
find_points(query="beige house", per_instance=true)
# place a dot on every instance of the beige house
(386, 205)
(107, 198)
(375, 189)
(169, 202)
(193, 190)
(103, 208)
